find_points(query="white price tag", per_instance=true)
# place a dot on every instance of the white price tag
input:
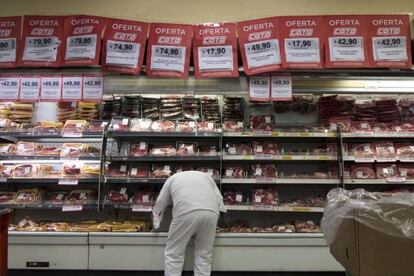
(257, 199)
(68, 182)
(92, 88)
(145, 199)
(123, 168)
(360, 174)
(141, 208)
(7, 50)
(81, 46)
(125, 121)
(262, 53)
(215, 57)
(51, 88)
(41, 49)
(9, 88)
(72, 208)
(258, 172)
(134, 171)
(123, 191)
(170, 58)
(123, 54)
(390, 48)
(142, 145)
(229, 173)
(346, 48)
(29, 89)
(259, 88)
(302, 49)
(259, 149)
(60, 196)
(72, 88)
(239, 198)
(281, 88)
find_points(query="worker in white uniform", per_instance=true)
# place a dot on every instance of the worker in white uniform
(197, 203)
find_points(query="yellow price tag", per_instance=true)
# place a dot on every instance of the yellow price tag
(275, 133)
(301, 209)
(323, 157)
(304, 134)
(287, 157)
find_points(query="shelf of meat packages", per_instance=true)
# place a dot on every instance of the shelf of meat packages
(65, 207)
(149, 158)
(280, 134)
(31, 135)
(280, 157)
(58, 181)
(279, 181)
(274, 208)
(124, 180)
(132, 134)
(390, 180)
(28, 159)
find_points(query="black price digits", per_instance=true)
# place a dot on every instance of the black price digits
(168, 51)
(347, 41)
(301, 43)
(389, 41)
(215, 51)
(261, 46)
(42, 42)
(4, 45)
(123, 47)
(80, 41)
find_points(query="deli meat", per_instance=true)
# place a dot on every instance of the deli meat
(405, 150)
(140, 124)
(29, 196)
(24, 170)
(233, 172)
(26, 148)
(49, 151)
(265, 147)
(263, 122)
(163, 126)
(362, 172)
(264, 170)
(6, 171)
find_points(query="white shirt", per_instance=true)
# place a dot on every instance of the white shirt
(188, 191)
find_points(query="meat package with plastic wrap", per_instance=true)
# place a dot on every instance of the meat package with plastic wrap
(139, 171)
(143, 198)
(49, 151)
(81, 197)
(406, 170)
(72, 169)
(171, 107)
(265, 197)
(27, 196)
(139, 149)
(55, 197)
(150, 108)
(131, 106)
(7, 197)
(191, 107)
(386, 170)
(206, 126)
(119, 123)
(163, 150)
(140, 125)
(404, 150)
(117, 170)
(179, 169)
(163, 126)
(6, 171)
(161, 171)
(361, 126)
(213, 172)
(120, 196)
(186, 126)
(366, 111)
(384, 150)
(233, 172)
(73, 150)
(233, 126)
(186, 148)
(207, 150)
(263, 122)
(264, 170)
(239, 148)
(211, 109)
(26, 148)
(365, 171)
(24, 170)
(363, 150)
(307, 227)
(383, 127)
(406, 107)
(387, 111)
(233, 109)
(343, 122)
(233, 198)
(265, 147)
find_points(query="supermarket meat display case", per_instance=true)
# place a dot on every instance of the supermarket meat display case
(273, 162)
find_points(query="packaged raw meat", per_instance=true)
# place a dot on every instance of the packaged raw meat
(119, 123)
(211, 109)
(49, 151)
(191, 108)
(49, 171)
(116, 170)
(406, 170)
(233, 126)
(4, 123)
(47, 127)
(361, 126)
(404, 151)
(186, 126)
(72, 169)
(163, 150)
(179, 169)
(264, 170)
(384, 150)
(73, 150)
(239, 148)
(118, 197)
(143, 198)
(139, 149)
(307, 227)
(233, 172)
(139, 171)
(97, 125)
(186, 148)
(7, 197)
(80, 197)
(265, 147)
(206, 126)
(24, 170)
(90, 170)
(74, 126)
(405, 127)
(383, 127)
(233, 198)
(207, 150)
(88, 110)
(213, 172)
(386, 170)
(161, 171)
(344, 122)
(263, 122)
(55, 197)
(163, 126)
(233, 109)
(365, 171)
(140, 125)
(265, 197)
(7, 149)
(26, 148)
(364, 150)
(27, 196)
(6, 171)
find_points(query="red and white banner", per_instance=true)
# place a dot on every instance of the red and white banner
(302, 44)
(346, 41)
(390, 41)
(10, 29)
(124, 46)
(259, 88)
(51, 90)
(9, 87)
(29, 88)
(259, 42)
(82, 40)
(168, 50)
(215, 51)
(41, 41)
(92, 88)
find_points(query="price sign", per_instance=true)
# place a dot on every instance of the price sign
(68, 182)
(392, 48)
(170, 58)
(259, 88)
(92, 88)
(9, 88)
(346, 48)
(81, 46)
(72, 208)
(262, 53)
(51, 89)
(281, 88)
(141, 208)
(72, 88)
(40, 49)
(7, 50)
(29, 89)
(215, 58)
(302, 50)
(125, 54)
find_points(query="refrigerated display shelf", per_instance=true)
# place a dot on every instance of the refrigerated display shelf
(165, 158)
(375, 159)
(47, 180)
(19, 159)
(395, 181)
(31, 135)
(138, 134)
(125, 180)
(48, 206)
(129, 206)
(280, 157)
(280, 134)
(379, 135)
(280, 181)
(274, 208)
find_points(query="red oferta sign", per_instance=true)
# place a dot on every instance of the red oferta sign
(10, 28)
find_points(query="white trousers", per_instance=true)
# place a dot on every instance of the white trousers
(202, 225)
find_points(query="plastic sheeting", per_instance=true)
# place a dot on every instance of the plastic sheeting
(389, 213)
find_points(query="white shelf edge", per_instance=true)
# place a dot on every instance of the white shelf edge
(280, 181)
(274, 209)
(285, 157)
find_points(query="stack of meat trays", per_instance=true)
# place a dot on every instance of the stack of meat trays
(66, 111)
(111, 106)
(131, 106)
(233, 109)
(327, 107)
(211, 109)
(191, 107)
(406, 107)
(365, 111)
(88, 111)
(347, 106)
(387, 111)
(150, 108)
(171, 108)
(21, 113)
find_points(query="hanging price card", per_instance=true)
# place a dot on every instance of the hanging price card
(123, 54)
(259, 45)
(302, 41)
(259, 88)
(72, 88)
(9, 88)
(10, 28)
(346, 37)
(168, 50)
(51, 88)
(42, 37)
(281, 88)
(29, 89)
(82, 35)
(390, 40)
(92, 88)
(215, 57)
